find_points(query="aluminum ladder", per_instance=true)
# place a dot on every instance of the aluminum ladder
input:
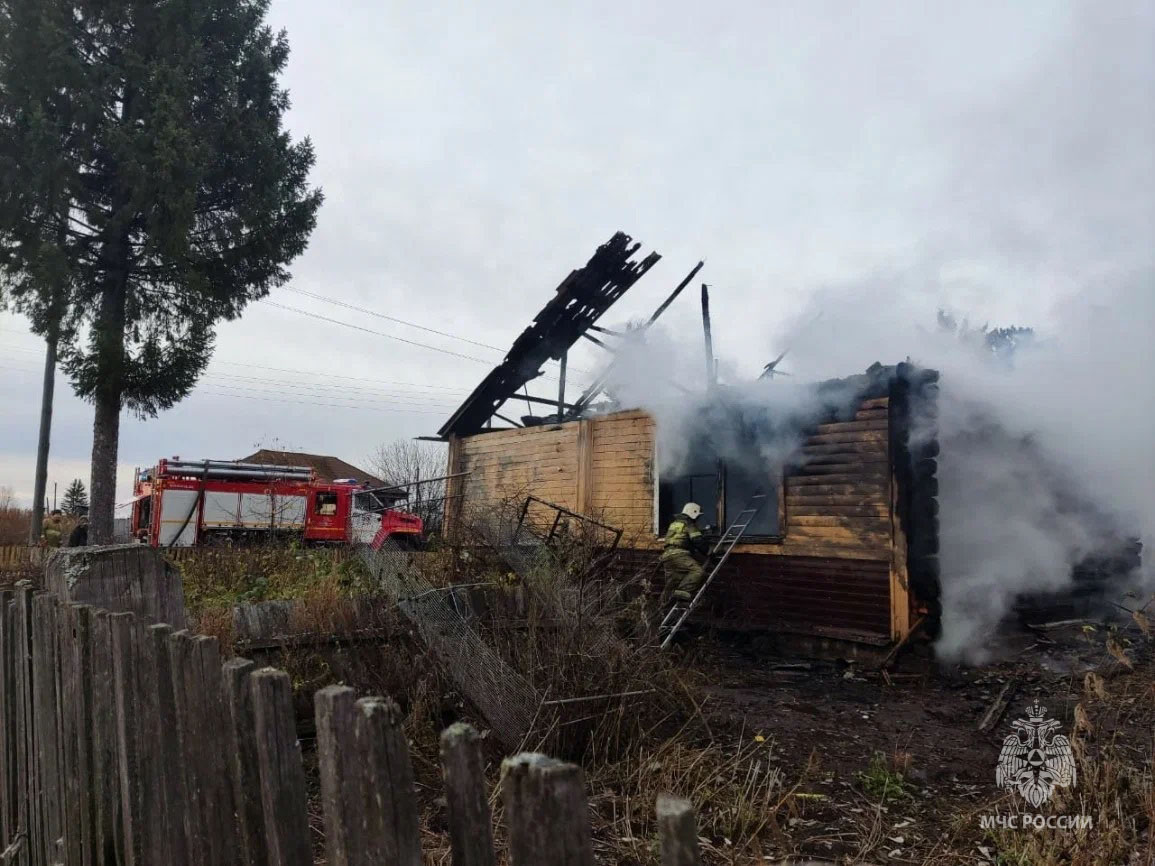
(680, 612)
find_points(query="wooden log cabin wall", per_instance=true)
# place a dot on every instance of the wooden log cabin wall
(852, 555)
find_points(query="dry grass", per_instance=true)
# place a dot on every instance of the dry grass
(1115, 788)
(223, 577)
(574, 633)
(15, 524)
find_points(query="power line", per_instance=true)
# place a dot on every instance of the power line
(409, 324)
(450, 352)
(329, 405)
(415, 391)
(332, 321)
(297, 372)
(392, 337)
(413, 400)
(353, 401)
(335, 375)
(487, 362)
(369, 312)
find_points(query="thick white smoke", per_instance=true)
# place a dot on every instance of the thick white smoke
(1036, 196)
(1046, 456)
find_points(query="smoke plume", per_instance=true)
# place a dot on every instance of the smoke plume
(1046, 456)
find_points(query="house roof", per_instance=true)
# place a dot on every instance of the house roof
(577, 304)
(327, 468)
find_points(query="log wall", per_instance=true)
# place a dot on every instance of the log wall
(850, 533)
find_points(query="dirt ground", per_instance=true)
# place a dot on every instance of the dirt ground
(892, 768)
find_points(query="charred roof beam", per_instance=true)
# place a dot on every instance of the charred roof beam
(579, 301)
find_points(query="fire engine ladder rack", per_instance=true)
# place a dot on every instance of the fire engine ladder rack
(679, 613)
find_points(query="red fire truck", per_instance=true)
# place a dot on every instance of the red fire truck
(179, 503)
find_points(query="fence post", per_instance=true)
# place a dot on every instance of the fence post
(392, 831)
(186, 704)
(158, 729)
(220, 820)
(7, 722)
(105, 760)
(342, 794)
(546, 812)
(25, 741)
(169, 766)
(677, 831)
(46, 716)
(470, 822)
(282, 775)
(76, 698)
(136, 805)
(244, 771)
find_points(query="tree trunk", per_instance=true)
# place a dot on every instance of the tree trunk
(105, 448)
(41, 484)
(107, 400)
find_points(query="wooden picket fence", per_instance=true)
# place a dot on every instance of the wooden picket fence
(19, 556)
(129, 744)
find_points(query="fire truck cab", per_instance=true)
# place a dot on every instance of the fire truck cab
(179, 503)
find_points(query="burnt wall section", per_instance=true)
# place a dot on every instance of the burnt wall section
(914, 450)
(843, 599)
(838, 598)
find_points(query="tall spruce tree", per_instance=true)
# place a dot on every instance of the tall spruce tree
(75, 498)
(144, 174)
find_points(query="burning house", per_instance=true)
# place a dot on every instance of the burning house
(844, 546)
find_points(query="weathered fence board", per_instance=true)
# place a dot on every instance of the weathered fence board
(470, 822)
(48, 824)
(546, 812)
(281, 774)
(677, 832)
(188, 738)
(392, 834)
(124, 743)
(342, 794)
(7, 721)
(132, 578)
(26, 787)
(244, 772)
(221, 839)
(135, 807)
(105, 760)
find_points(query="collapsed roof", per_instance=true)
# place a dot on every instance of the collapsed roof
(579, 302)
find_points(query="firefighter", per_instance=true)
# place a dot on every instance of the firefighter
(683, 539)
(53, 531)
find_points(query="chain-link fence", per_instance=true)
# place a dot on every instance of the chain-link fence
(556, 604)
(442, 617)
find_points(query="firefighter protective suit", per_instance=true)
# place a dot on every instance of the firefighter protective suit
(683, 573)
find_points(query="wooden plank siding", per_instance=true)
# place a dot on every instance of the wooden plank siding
(835, 569)
(511, 464)
(622, 464)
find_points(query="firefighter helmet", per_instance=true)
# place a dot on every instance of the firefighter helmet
(692, 510)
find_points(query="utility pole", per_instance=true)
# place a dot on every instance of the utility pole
(711, 364)
(48, 388)
(561, 389)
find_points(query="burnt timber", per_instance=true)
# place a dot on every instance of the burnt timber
(578, 303)
(856, 557)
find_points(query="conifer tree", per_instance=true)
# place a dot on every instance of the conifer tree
(75, 498)
(144, 174)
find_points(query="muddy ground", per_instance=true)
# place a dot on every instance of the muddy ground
(843, 733)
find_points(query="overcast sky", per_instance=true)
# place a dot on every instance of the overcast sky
(473, 154)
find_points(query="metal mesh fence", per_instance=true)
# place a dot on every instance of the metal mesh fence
(442, 617)
(508, 672)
